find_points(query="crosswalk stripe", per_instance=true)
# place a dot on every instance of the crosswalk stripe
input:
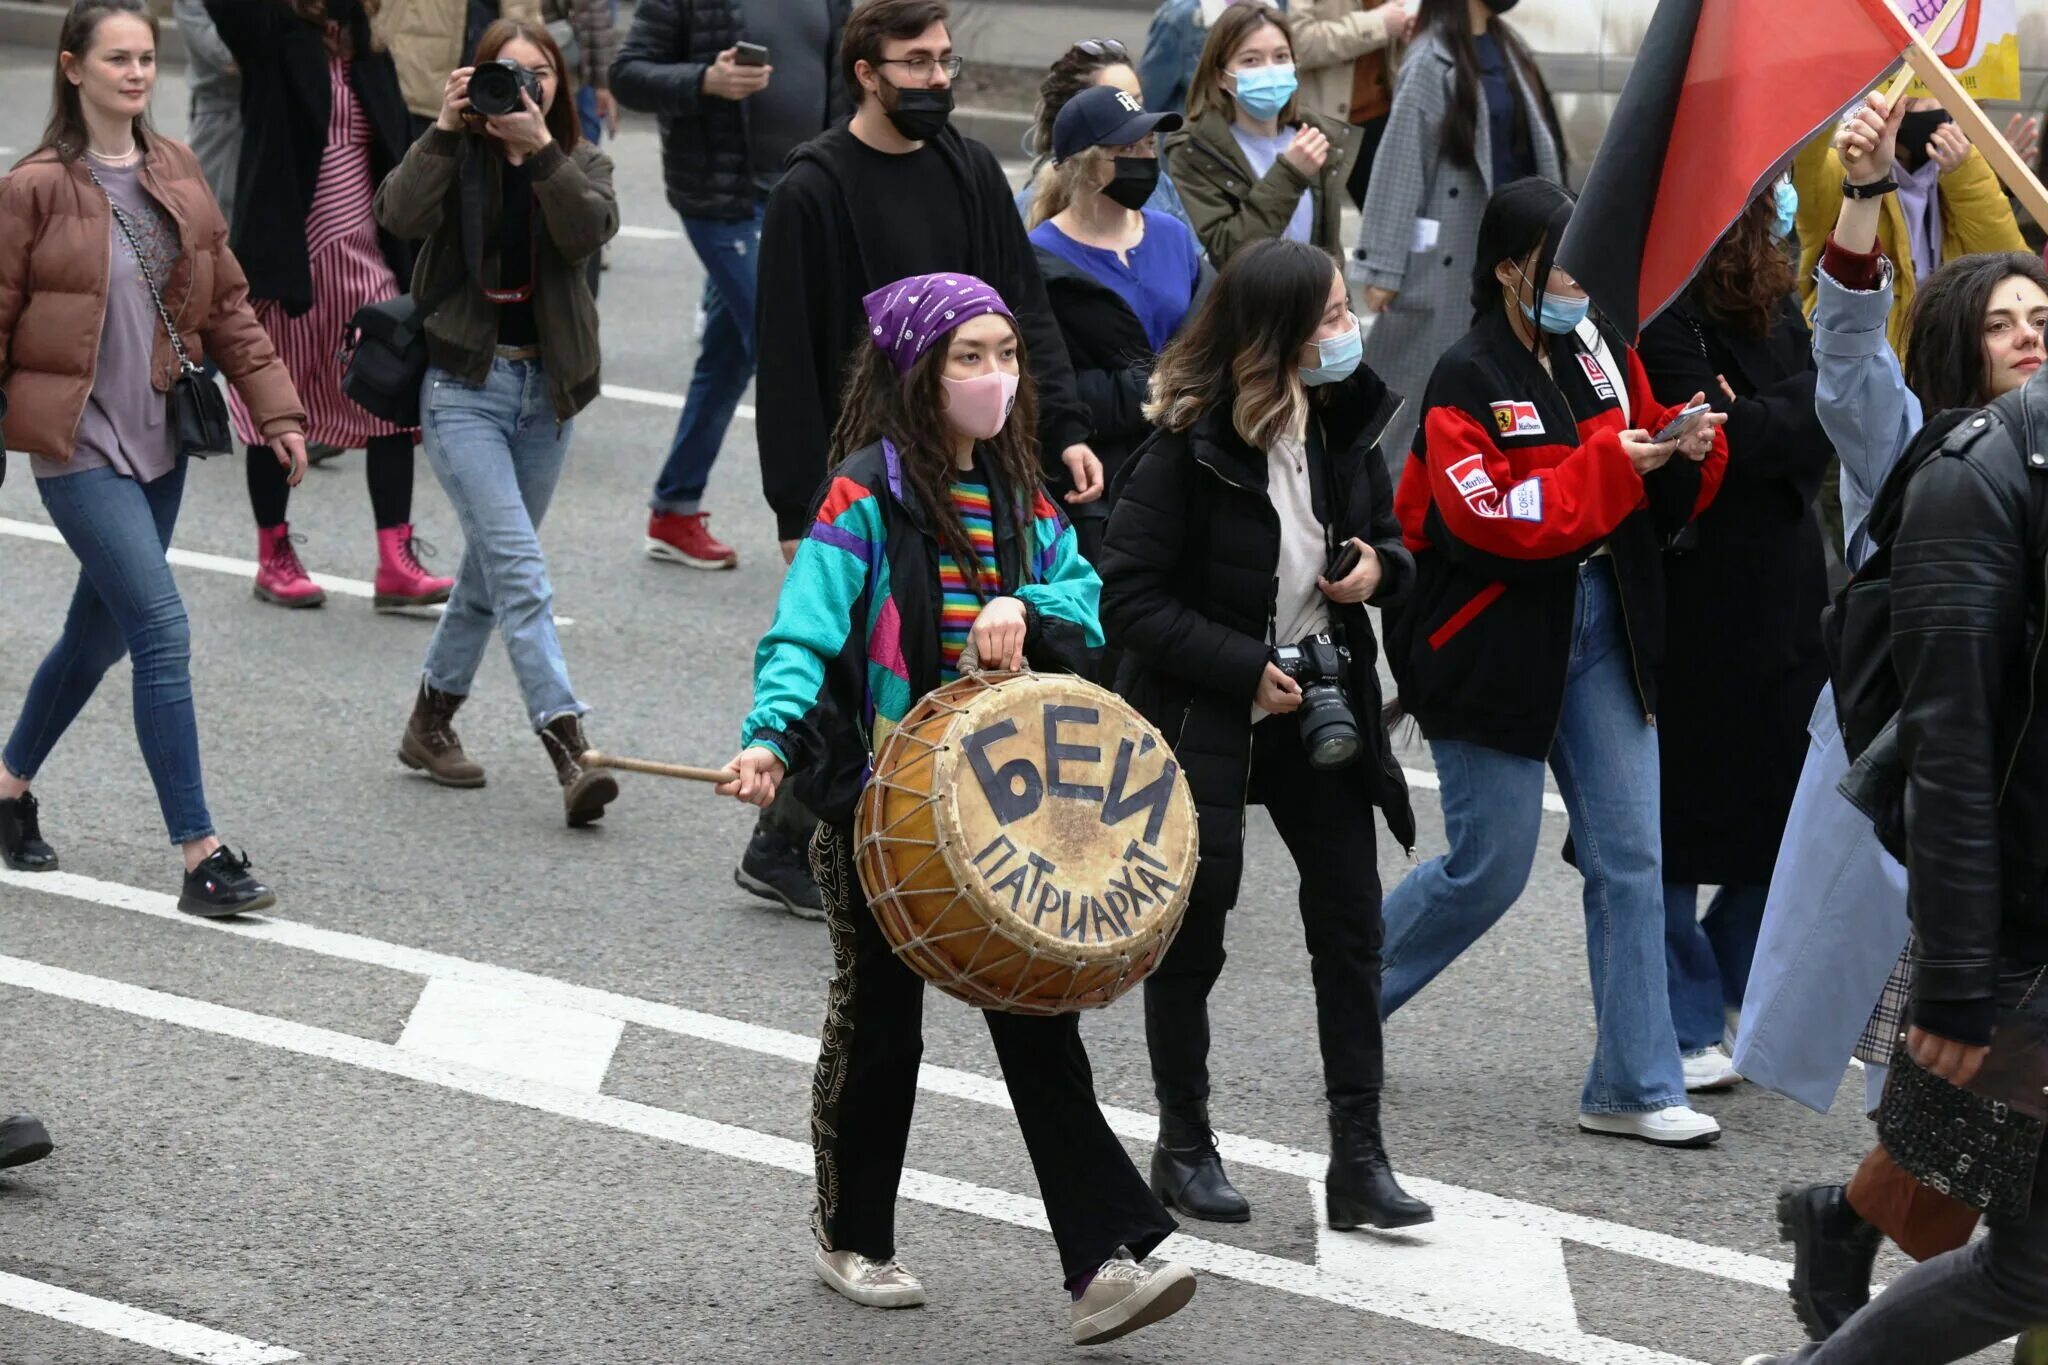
(172, 1336)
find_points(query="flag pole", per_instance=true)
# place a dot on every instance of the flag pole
(1936, 31)
(2014, 173)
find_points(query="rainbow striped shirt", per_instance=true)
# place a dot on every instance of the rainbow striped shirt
(958, 602)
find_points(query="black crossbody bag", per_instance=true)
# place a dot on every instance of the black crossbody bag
(199, 414)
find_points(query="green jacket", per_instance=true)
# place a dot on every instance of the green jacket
(577, 213)
(1231, 208)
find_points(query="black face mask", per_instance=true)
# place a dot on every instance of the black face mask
(1916, 130)
(1500, 6)
(919, 115)
(1133, 181)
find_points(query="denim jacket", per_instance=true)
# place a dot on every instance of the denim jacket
(1172, 47)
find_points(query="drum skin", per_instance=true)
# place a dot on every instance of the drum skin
(1027, 842)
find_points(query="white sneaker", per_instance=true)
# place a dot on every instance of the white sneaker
(1677, 1126)
(1125, 1296)
(878, 1284)
(1710, 1069)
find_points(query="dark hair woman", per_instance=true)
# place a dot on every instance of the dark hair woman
(512, 355)
(1090, 63)
(89, 361)
(1470, 115)
(1259, 519)
(933, 531)
(1744, 592)
(1538, 504)
(323, 122)
(1838, 900)
(1253, 162)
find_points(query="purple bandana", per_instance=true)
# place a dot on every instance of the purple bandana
(906, 317)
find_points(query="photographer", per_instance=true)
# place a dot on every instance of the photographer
(1539, 502)
(1257, 519)
(513, 357)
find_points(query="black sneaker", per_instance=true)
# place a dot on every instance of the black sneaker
(1833, 1253)
(776, 870)
(22, 1140)
(21, 837)
(221, 886)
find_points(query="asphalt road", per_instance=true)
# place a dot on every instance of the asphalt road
(486, 1089)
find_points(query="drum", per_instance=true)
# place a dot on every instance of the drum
(1027, 842)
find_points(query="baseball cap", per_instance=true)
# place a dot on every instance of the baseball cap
(1104, 116)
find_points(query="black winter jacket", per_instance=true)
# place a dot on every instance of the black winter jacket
(1516, 479)
(819, 258)
(1188, 595)
(286, 101)
(706, 159)
(1969, 581)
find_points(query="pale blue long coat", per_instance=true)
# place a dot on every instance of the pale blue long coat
(1836, 921)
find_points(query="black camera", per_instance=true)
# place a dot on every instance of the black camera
(495, 87)
(1328, 729)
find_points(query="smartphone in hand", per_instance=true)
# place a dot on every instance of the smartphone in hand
(1677, 426)
(1343, 562)
(749, 54)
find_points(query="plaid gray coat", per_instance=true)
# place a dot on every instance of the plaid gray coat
(1414, 182)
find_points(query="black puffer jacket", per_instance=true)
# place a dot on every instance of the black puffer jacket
(706, 161)
(1969, 580)
(1188, 592)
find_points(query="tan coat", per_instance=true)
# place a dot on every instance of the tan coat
(424, 38)
(55, 238)
(1329, 38)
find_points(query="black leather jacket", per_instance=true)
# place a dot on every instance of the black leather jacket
(1969, 583)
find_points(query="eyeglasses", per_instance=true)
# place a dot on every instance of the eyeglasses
(1103, 47)
(921, 68)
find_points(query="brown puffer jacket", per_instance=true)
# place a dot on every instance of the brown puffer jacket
(55, 235)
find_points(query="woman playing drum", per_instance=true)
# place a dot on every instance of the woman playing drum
(931, 531)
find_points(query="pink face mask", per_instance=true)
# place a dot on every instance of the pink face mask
(978, 407)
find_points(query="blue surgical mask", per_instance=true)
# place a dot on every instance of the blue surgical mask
(1560, 315)
(1339, 356)
(1785, 199)
(1263, 91)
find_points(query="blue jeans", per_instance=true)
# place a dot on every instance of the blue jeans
(498, 450)
(586, 114)
(126, 603)
(1605, 758)
(725, 358)
(1707, 961)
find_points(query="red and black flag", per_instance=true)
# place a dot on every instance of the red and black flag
(1723, 93)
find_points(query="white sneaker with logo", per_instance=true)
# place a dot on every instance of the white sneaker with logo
(1710, 1069)
(1125, 1296)
(1677, 1126)
(877, 1284)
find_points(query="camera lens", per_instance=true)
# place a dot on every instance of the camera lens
(494, 89)
(1328, 731)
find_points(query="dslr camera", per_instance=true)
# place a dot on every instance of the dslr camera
(495, 87)
(1328, 729)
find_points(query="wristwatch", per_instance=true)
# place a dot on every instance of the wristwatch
(1876, 189)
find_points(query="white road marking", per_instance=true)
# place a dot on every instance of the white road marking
(459, 1021)
(1660, 1248)
(648, 234)
(1425, 1305)
(235, 568)
(185, 1340)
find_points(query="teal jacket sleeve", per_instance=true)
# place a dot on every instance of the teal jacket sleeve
(1065, 599)
(814, 617)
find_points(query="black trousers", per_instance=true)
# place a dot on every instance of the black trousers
(866, 1087)
(1328, 826)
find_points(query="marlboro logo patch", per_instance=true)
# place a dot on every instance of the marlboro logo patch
(1517, 419)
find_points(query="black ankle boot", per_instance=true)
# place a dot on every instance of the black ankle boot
(1362, 1190)
(21, 837)
(1187, 1175)
(1833, 1253)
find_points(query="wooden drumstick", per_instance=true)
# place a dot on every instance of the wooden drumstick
(593, 759)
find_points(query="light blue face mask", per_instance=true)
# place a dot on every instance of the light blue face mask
(1560, 315)
(1263, 91)
(1785, 199)
(1339, 355)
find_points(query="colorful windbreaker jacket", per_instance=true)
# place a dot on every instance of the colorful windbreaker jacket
(856, 636)
(1517, 477)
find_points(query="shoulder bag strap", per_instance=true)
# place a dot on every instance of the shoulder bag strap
(156, 296)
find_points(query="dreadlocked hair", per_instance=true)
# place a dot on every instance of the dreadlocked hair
(909, 410)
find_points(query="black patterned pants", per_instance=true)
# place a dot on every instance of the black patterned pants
(866, 1088)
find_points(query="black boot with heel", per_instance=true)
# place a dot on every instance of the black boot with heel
(1362, 1191)
(1188, 1175)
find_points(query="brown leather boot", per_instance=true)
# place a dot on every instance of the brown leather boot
(430, 744)
(585, 791)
